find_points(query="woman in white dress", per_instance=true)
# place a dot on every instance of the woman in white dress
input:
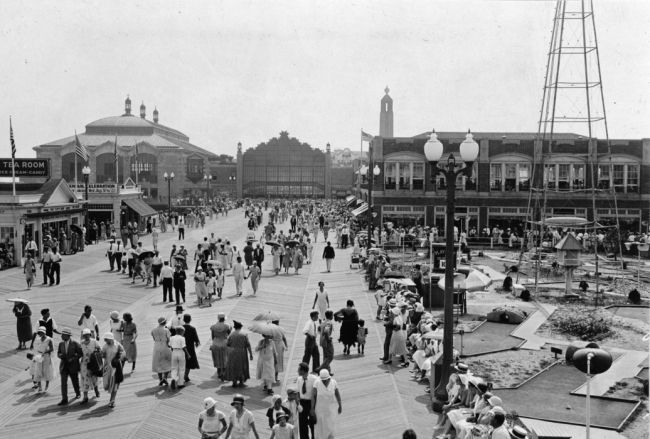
(41, 367)
(117, 326)
(324, 397)
(88, 378)
(321, 300)
(398, 340)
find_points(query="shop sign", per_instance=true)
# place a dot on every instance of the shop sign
(25, 167)
(97, 188)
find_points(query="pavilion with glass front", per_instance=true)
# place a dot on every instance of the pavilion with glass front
(286, 168)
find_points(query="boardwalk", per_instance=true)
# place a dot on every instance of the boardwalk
(378, 401)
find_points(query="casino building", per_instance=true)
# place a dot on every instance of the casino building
(406, 192)
(160, 149)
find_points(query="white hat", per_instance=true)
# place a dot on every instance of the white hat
(42, 329)
(324, 374)
(86, 331)
(208, 403)
(109, 336)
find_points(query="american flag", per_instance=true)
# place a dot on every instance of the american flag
(79, 149)
(11, 139)
(366, 137)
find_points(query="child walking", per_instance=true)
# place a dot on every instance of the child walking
(362, 333)
(220, 281)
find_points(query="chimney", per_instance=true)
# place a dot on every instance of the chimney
(155, 115)
(143, 110)
(127, 106)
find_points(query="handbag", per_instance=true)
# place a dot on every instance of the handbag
(96, 364)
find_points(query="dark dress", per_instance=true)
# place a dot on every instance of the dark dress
(191, 339)
(248, 255)
(23, 322)
(237, 363)
(349, 325)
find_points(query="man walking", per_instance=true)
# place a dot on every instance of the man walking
(258, 255)
(46, 264)
(179, 284)
(388, 326)
(305, 383)
(181, 228)
(311, 346)
(117, 253)
(167, 280)
(111, 254)
(56, 267)
(69, 352)
(328, 255)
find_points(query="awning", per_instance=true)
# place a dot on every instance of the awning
(359, 210)
(140, 207)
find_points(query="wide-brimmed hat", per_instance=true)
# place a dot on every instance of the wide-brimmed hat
(324, 374)
(208, 403)
(392, 302)
(237, 399)
(462, 367)
(518, 432)
(162, 320)
(280, 416)
(66, 331)
(275, 398)
(109, 336)
(115, 314)
(86, 331)
(42, 329)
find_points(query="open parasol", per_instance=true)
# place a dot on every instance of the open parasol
(18, 299)
(146, 254)
(268, 316)
(268, 329)
(272, 243)
(214, 262)
(292, 242)
(75, 228)
(179, 257)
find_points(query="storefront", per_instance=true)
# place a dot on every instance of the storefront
(36, 212)
(403, 216)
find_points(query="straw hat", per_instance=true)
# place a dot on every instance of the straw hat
(237, 399)
(109, 336)
(86, 331)
(518, 432)
(162, 320)
(42, 329)
(115, 314)
(324, 374)
(66, 331)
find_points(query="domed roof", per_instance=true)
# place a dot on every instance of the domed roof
(120, 121)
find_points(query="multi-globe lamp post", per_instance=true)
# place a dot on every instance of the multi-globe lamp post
(207, 178)
(168, 178)
(86, 173)
(371, 172)
(433, 151)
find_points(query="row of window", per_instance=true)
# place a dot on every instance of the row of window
(515, 177)
(284, 173)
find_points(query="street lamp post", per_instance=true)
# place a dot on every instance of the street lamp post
(233, 179)
(433, 150)
(86, 173)
(168, 178)
(207, 179)
(372, 172)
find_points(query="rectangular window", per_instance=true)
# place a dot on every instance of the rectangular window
(619, 178)
(603, 177)
(524, 177)
(495, 177)
(404, 176)
(550, 177)
(390, 175)
(578, 176)
(272, 174)
(418, 176)
(632, 178)
(564, 177)
(510, 183)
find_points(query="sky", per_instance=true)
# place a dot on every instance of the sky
(224, 72)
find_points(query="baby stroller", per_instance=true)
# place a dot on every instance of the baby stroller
(355, 261)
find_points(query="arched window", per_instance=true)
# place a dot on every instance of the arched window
(105, 168)
(67, 168)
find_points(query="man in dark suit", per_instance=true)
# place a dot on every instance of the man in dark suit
(69, 352)
(258, 255)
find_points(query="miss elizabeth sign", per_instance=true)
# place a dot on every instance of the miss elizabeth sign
(25, 167)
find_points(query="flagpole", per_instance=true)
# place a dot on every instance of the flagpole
(75, 173)
(13, 159)
(360, 161)
(136, 163)
(117, 162)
